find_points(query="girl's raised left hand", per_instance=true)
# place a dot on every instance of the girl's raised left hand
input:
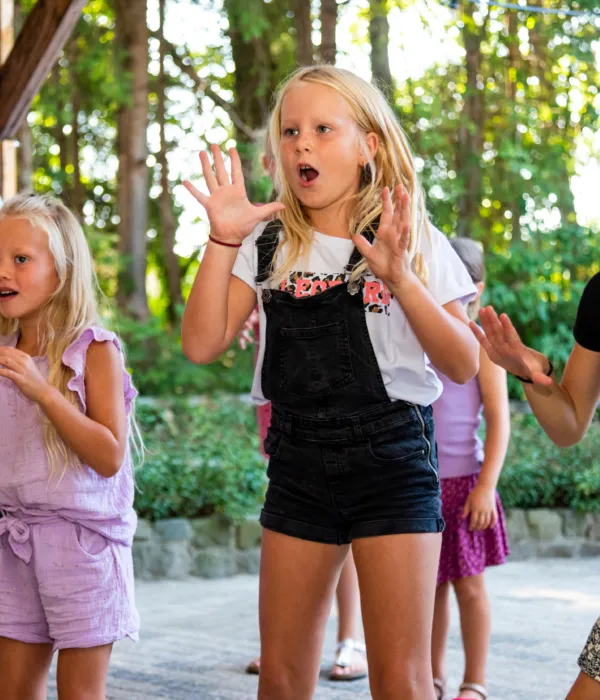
(387, 256)
(21, 369)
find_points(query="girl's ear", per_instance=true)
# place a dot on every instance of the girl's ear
(372, 144)
(480, 287)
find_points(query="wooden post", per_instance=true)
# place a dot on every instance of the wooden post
(45, 32)
(8, 151)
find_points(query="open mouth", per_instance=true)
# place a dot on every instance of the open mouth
(7, 294)
(308, 173)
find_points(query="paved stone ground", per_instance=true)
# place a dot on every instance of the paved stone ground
(198, 635)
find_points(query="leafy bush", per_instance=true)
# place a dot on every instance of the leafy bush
(160, 368)
(537, 474)
(202, 458)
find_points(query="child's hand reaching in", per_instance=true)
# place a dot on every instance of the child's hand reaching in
(245, 336)
(232, 217)
(387, 256)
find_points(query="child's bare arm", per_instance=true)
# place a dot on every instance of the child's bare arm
(496, 412)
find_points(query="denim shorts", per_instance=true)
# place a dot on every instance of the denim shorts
(333, 480)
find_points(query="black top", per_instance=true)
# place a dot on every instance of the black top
(587, 325)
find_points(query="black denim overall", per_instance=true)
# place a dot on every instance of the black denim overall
(345, 460)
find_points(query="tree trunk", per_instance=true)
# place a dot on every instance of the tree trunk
(328, 49)
(379, 36)
(471, 135)
(253, 80)
(132, 36)
(77, 193)
(303, 25)
(167, 218)
(25, 150)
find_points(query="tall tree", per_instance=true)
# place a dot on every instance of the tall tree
(167, 217)
(259, 48)
(329, 15)
(471, 132)
(379, 36)
(303, 25)
(132, 35)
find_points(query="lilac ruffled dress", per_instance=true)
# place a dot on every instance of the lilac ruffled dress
(457, 416)
(66, 572)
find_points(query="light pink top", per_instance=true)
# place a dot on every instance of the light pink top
(457, 416)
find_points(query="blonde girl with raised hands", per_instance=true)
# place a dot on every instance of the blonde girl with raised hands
(357, 294)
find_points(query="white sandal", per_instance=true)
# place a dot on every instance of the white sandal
(440, 689)
(475, 687)
(344, 658)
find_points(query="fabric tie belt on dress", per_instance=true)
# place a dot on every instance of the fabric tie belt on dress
(19, 532)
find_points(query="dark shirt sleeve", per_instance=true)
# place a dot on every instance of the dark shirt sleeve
(587, 325)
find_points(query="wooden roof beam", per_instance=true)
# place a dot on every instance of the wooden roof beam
(45, 32)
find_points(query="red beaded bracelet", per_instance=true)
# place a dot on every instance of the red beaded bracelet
(227, 245)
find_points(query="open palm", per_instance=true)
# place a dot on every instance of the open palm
(388, 256)
(232, 216)
(504, 347)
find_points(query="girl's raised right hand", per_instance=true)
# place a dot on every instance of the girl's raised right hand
(232, 217)
(504, 348)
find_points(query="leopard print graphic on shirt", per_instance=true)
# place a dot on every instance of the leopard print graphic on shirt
(376, 296)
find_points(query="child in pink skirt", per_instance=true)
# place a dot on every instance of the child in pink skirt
(475, 534)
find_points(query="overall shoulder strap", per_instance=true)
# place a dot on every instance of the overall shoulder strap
(266, 245)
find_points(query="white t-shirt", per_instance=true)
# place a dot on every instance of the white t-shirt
(402, 362)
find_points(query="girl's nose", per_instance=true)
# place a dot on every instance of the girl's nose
(303, 143)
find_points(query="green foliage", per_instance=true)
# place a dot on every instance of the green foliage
(537, 474)
(202, 458)
(160, 368)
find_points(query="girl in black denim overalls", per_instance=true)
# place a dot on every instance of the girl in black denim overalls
(344, 359)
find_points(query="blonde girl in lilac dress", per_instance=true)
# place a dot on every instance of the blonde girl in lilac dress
(66, 483)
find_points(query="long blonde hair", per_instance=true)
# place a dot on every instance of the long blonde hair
(391, 165)
(72, 307)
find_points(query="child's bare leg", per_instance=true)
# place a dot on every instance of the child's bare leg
(441, 625)
(475, 623)
(24, 669)
(297, 582)
(584, 688)
(397, 575)
(81, 673)
(349, 617)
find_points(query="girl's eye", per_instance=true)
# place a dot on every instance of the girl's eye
(323, 129)
(20, 259)
(290, 132)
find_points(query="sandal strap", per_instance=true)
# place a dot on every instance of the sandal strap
(345, 649)
(476, 688)
(440, 687)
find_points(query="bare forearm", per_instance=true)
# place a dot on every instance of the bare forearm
(204, 323)
(497, 435)
(438, 331)
(555, 412)
(93, 443)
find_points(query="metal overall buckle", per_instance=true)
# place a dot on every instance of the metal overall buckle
(266, 295)
(353, 287)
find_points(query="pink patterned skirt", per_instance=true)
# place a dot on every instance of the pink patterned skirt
(466, 553)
